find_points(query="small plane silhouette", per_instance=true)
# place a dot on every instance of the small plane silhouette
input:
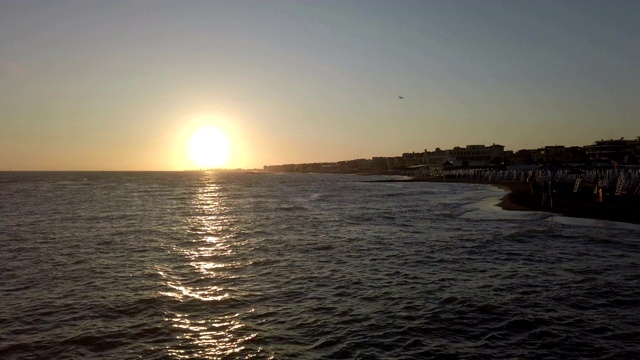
(401, 97)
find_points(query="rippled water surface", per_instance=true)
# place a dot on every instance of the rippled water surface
(205, 266)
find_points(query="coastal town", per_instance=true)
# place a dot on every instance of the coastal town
(600, 181)
(602, 154)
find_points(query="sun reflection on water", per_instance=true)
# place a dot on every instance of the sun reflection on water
(183, 292)
(207, 324)
(215, 339)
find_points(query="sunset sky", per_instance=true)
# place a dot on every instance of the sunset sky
(123, 85)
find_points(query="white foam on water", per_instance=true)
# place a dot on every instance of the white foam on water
(488, 209)
(567, 220)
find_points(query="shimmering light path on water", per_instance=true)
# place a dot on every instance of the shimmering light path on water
(201, 265)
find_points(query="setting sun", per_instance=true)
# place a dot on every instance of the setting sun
(209, 147)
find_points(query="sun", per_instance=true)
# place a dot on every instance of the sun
(209, 147)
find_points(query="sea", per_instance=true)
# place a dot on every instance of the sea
(205, 265)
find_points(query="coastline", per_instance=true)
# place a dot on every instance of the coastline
(614, 208)
(565, 201)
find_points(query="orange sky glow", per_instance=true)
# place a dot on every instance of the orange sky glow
(114, 85)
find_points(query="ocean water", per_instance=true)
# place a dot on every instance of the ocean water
(197, 265)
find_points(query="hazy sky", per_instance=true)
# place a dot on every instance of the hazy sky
(121, 85)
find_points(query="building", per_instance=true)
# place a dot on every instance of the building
(379, 163)
(478, 155)
(407, 160)
(620, 151)
(434, 158)
(471, 155)
(549, 155)
(357, 165)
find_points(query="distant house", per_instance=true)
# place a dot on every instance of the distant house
(621, 151)
(547, 155)
(357, 165)
(379, 163)
(478, 155)
(471, 155)
(434, 158)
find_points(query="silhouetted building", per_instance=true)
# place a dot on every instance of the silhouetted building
(357, 165)
(621, 151)
(434, 158)
(478, 155)
(379, 163)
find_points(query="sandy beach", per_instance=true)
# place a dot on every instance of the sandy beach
(565, 202)
(613, 208)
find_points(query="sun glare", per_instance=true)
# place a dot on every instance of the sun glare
(209, 147)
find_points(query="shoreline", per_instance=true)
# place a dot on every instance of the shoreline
(614, 208)
(519, 197)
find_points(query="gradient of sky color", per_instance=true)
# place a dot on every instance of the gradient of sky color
(121, 85)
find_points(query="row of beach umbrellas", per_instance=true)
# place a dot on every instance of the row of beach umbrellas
(624, 181)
